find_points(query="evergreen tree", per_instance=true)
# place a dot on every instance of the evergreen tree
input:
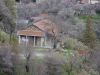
(11, 5)
(89, 36)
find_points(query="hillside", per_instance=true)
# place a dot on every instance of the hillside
(49, 37)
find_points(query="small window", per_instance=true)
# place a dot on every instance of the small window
(33, 0)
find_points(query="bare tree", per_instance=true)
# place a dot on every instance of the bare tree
(27, 51)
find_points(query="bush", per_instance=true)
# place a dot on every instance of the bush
(3, 37)
(74, 44)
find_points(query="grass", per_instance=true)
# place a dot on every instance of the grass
(41, 49)
(97, 17)
(94, 18)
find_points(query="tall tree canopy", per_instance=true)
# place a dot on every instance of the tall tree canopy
(7, 15)
(89, 37)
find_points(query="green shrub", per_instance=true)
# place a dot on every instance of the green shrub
(73, 44)
(89, 37)
(4, 37)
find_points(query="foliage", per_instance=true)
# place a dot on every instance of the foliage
(72, 62)
(94, 18)
(74, 44)
(89, 36)
(4, 37)
(5, 61)
(12, 7)
(8, 15)
(14, 43)
(52, 63)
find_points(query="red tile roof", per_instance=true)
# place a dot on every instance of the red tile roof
(30, 33)
(47, 26)
(38, 28)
